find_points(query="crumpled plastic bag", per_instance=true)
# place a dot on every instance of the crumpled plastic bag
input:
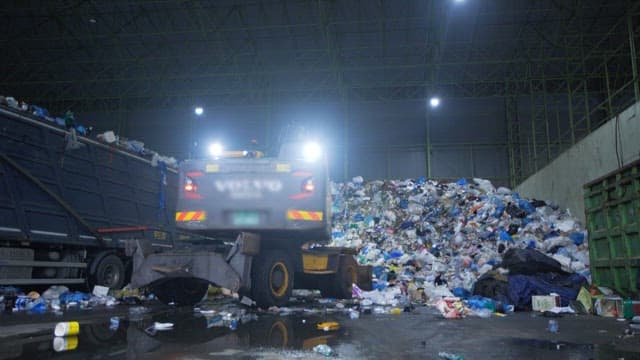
(451, 308)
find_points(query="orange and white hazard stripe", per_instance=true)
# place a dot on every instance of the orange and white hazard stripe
(305, 215)
(191, 216)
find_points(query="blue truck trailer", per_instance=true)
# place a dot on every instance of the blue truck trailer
(70, 204)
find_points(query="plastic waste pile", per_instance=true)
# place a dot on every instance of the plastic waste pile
(432, 241)
(68, 122)
(59, 298)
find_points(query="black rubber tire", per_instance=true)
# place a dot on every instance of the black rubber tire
(339, 285)
(271, 278)
(180, 291)
(110, 272)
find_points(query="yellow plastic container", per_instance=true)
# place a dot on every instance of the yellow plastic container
(65, 343)
(395, 311)
(70, 328)
(328, 326)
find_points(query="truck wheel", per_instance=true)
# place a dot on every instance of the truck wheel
(272, 278)
(109, 272)
(339, 285)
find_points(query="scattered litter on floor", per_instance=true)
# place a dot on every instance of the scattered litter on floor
(449, 356)
(328, 326)
(323, 349)
(162, 326)
(70, 328)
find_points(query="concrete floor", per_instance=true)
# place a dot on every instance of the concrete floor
(418, 335)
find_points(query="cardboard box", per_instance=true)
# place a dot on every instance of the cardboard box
(585, 298)
(544, 302)
(609, 306)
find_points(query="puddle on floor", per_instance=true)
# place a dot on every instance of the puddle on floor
(548, 350)
(192, 336)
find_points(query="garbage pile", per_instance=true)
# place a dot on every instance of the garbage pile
(69, 122)
(59, 298)
(434, 241)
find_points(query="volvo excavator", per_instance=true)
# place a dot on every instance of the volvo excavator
(274, 216)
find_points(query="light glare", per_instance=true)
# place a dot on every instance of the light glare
(198, 110)
(216, 149)
(312, 151)
(434, 102)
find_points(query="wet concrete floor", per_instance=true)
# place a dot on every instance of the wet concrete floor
(417, 335)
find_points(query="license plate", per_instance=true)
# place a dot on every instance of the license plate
(245, 218)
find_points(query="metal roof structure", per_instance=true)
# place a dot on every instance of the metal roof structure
(575, 60)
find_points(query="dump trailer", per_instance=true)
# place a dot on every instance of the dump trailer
(69, 205)
(278, 210)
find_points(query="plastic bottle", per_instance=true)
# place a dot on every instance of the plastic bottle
(38, 306)
(449, 356)
(627, 309)
(483, 313)
(21, 303)
(323, 349)
(114, 323)
(354, 314)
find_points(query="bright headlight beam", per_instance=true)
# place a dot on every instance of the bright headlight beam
(312, 151)
(216, 149)
(198, 110)
(434, 102)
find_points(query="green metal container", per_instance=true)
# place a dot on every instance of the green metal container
(612, 209)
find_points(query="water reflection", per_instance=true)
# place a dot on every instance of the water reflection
(536, 348)
(192, 333)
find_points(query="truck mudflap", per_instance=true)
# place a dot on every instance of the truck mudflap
(189, 271)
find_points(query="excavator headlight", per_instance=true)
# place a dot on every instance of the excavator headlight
(311, 151)
(216, 150)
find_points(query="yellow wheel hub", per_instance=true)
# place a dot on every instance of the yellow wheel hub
(279, 279)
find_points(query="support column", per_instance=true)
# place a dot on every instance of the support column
(607, 82)
(514, 150)
(533, 127)
(345, 138)
(428, 142)
(572, 129)
(634, 60)
(546, 117)
(586, 105)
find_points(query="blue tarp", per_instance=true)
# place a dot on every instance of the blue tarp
(522, 287)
